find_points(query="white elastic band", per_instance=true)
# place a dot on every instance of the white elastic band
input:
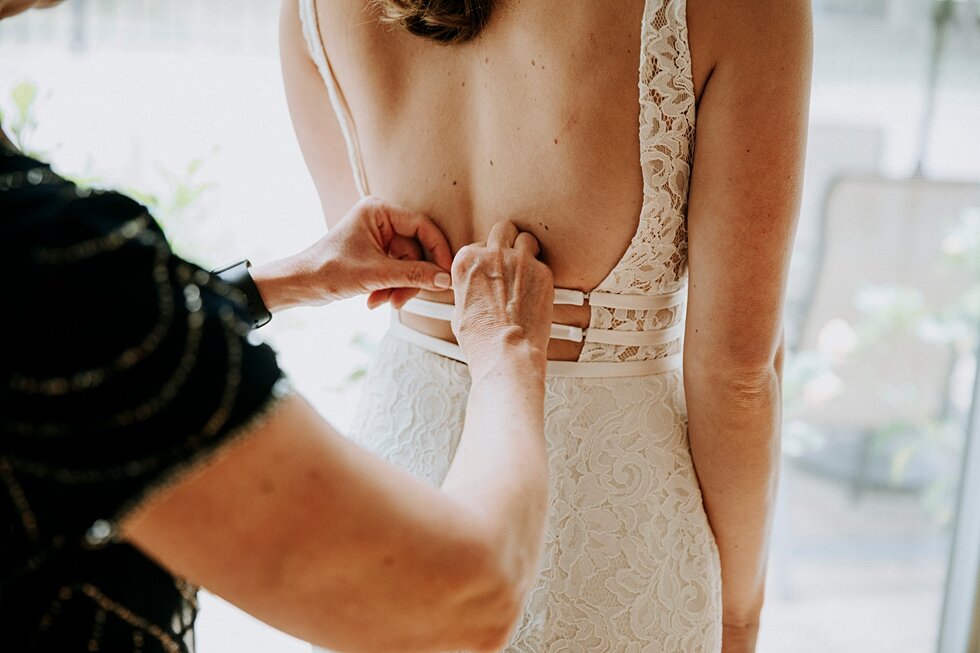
(426, 308)
(566, 297)
(425, 341)
(616, 300)
(637, 302)
(444, 312)
(569, 297)
(635, 338)
(567, 332)
(555, 368)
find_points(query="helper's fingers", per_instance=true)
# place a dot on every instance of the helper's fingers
(466, 257)
(415, 225)
(378, 297)
(527, 244)
(401, 295)
(502, 235)
(416, 274)
(404, 249)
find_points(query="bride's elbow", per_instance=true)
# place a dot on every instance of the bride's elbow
(739, 375)
(749, 388)
(734, 386)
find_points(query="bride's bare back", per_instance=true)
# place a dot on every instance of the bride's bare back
(534, 121)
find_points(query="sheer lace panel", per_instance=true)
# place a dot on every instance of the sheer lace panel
(656, 259)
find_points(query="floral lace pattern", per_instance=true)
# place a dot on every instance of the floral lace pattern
(630, 563)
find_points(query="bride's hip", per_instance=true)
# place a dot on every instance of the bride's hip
(414, 400)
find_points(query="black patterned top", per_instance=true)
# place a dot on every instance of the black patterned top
(122, 364)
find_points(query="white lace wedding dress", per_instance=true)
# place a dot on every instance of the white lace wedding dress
(630, 563)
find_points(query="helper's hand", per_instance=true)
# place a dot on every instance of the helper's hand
(504, 296)
(378, 249)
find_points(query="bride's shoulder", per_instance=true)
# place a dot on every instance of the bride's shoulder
(747, 35)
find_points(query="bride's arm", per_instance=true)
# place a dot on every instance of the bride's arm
(744, 200)
(317, 130)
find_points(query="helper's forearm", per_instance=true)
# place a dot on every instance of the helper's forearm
(500, 469)
(286, 283)
(734, 423)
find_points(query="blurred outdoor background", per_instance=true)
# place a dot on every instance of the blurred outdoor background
(180, 103)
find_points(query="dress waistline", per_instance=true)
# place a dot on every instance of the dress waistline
(579, 369)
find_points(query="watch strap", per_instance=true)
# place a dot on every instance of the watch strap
(237, 276)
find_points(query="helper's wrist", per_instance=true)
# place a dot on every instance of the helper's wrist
(506, 352)
(288, 282)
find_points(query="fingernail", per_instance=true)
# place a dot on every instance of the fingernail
(443, 280)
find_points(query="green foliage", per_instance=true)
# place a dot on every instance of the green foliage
(175, 200)
(20, 124)
(367, 346)
(891, 314)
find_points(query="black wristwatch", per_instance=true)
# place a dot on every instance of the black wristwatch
(237, 276)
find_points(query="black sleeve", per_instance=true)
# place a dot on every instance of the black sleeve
(121, 364)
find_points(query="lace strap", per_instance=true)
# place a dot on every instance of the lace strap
(310, 20)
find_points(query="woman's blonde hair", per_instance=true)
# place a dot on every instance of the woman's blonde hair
(447, 21)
